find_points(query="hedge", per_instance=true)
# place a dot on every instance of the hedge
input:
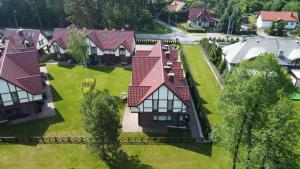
(202, 116)
(153, 41)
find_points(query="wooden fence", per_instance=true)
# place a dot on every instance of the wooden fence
(83, 140)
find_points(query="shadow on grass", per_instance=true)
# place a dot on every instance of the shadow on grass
(122, 160)
(204, 149)
(71, 66)
(102, 69)
(55, 95)
(50, 77)
(31, 128)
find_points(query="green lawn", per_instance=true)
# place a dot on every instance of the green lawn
(208, 86)
(66, 83)
(158, 29)
(66, 89)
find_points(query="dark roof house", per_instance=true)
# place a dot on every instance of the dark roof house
(104, 39)
(201, 17)
(23, 38)
(157, 71)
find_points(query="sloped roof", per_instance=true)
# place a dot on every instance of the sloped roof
(20, 67)
(176, 6)
(19, 35)
(148, 74)
(275, 16)
(103, 39)
(253, 47)
(194, 13)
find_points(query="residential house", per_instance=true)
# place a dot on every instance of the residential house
(177, 6)
(295, 76)
(266, 18)
(27, 38)
(106, 46)
(287, 51)
(201, 17)
(20, 81)
(158, 92)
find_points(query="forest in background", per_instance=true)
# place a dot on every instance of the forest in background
(129, 14)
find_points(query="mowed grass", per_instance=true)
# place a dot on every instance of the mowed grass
(207, 84)
(158, 29)
(177, 156)
(66, 90)
(66, 82)
(48, 157)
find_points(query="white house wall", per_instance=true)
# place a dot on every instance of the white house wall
(5, 93)
(266, 24)
(61, 50)
(41, 38)
(163, 94)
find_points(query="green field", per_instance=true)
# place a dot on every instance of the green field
(66, 82)
(66, 90)
(207, 84)
(158, 29)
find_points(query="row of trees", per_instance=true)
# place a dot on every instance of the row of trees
(214, 54)
(131, 14)
(260, 125)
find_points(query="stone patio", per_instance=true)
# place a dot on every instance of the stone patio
(130, 124)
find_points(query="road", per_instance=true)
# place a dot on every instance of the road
(181, 35)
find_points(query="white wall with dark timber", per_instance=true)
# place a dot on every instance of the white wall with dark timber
(6, 90)
(42, 42)
(162, 100)
(57, 50)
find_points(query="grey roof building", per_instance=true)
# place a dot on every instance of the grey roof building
(287, 51)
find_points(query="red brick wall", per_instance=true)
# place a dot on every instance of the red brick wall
(146, 119)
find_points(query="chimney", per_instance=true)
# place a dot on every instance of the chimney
(167, 54)
(167, 68)
(171, 77)
(292, 14)
(244, 38)
(280, 53)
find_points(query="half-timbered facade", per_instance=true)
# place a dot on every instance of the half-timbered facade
(106, 46)
(158, 92)
(20, 81)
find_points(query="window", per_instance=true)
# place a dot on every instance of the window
(41, 42)
(1, 101)
(162, 118)
(170, 105)
(122, 52)
(155, 105)
(180, 118)
(15, 97)
(56, 48)
(93, 51)
(154, 118)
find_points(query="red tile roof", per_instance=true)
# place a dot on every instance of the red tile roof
(176, 6)
(20, 67)
(275, 16)
(148, 74)
(19, 35)
(103, 39)
(194, 13)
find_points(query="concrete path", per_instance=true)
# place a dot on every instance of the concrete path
(48, 108)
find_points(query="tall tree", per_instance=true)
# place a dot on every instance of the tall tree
(78, 47)
(102, 122)
(252, 90)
